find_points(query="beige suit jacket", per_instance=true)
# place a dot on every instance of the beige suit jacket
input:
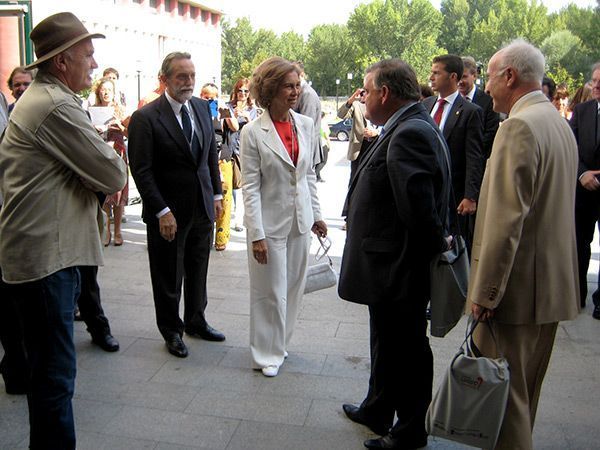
(275, 191)
(52, 160)
(357, 112)
(524, 263)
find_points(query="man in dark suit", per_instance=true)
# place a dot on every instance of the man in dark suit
(396, 202)
(472, 93)
(174, 162)
(585, 123)
(462, 127)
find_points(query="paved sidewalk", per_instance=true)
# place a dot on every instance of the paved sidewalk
(144, 398)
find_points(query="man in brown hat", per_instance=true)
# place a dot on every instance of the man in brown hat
(52, 162)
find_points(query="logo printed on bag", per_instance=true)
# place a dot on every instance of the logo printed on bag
(474, 383)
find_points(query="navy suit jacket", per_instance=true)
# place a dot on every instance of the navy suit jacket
(395, 204)
(583, 124)
(163, 166)
(463, 132)
(491, 119)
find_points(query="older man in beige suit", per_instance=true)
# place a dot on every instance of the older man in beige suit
(524, 266)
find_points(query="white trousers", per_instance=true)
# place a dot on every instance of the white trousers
(276, 289)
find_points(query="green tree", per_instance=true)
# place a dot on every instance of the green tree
(237, 42)
(558, 45)
(397, 29)
(585, 24)
(330, 55)
(455, 31)
(508, 20)
(291, 46)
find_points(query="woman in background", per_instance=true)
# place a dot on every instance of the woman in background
(113, 134)
(281, 208)
(561, 101)
(241, 111)
(210, 93)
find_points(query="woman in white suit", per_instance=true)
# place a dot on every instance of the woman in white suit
(281, 208)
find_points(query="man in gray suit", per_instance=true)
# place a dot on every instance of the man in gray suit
(309, 104)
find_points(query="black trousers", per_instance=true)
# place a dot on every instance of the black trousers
(587, 214)
(324, 156)
(13, 366)
(89, 303)
(183, 261)
(401, 367)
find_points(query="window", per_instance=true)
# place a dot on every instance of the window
(181, 8)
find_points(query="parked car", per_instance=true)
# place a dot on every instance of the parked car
(340, 130)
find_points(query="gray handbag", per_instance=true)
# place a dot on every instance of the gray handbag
(449, 280)
(322, 275)
(449, 270)
(470, 403)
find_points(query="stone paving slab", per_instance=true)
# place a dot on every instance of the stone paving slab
(144, 398)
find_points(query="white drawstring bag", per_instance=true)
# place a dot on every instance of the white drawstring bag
(470, 403)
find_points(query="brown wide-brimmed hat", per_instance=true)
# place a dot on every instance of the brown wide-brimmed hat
(57, 33)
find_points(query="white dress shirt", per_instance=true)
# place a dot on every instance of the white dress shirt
(449, 102)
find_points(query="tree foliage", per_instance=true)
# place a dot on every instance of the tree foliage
(416, 31)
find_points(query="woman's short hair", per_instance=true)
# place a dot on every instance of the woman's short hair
(210, 89)
(110, 70)
(267, 78)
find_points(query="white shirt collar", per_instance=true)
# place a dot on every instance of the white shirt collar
(471, 93)
(450, 99)
(175, 104)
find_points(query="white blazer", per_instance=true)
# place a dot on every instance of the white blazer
(273, 188)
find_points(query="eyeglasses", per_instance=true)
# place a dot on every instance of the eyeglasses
(243, 91)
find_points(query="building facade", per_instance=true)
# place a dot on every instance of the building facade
(139, 33)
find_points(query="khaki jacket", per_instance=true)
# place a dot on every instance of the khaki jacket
(357, 112)
(524, 263)
(49, 218)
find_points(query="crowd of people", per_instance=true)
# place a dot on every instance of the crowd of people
(518, 162)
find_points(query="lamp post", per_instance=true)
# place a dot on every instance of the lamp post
(337, 85)
(139, 85)
(138, 67)
(349, 80)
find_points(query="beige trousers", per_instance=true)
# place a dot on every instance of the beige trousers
(527, 349)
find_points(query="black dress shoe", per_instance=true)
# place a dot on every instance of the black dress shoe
(207, 333)
(176, 346)
(596, 313)
(356, 415)
(388, 441)
(106, 342)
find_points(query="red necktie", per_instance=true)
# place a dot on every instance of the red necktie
(437, 117)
